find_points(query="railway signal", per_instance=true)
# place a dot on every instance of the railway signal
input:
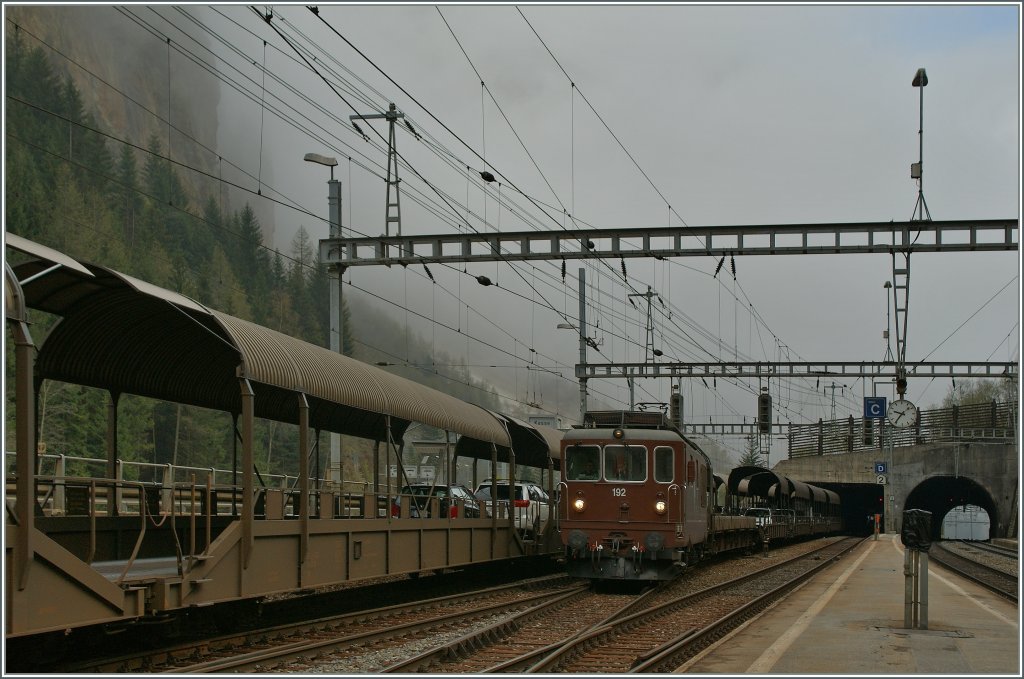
(764, 412)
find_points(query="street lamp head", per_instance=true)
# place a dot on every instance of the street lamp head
(920, 78)
(565, 326)
(322, 160)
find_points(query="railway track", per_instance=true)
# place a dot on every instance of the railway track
(990, 548)
(661, 638)
(500, 629)
(267, 649)
(531, 644)
(995, 579)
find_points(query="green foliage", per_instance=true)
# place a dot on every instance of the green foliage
(970, 392)
(751, 455)
(77, 191)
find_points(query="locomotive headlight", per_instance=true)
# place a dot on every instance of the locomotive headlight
(660, 507)
(579, 504)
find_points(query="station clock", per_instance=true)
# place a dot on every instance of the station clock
(902, 413)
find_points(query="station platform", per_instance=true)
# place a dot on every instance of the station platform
(848, 619)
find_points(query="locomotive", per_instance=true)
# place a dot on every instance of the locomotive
(638, 500)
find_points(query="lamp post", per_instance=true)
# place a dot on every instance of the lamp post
(334, 272)
(917, 169)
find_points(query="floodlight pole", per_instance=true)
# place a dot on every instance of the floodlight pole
(921, 212)
(901, 276)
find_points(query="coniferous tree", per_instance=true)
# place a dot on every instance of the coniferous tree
(128, 201)
(751, 456)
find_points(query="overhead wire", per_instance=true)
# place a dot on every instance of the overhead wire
(207, 174)
(761, 320)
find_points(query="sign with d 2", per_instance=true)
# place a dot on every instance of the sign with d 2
(874, 407)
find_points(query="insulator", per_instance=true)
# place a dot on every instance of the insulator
(563, 271)
(429, 275)
(732, 262)
(358, 129)
(622, 260)
(719, 268)
(487, 176)
(483, 280)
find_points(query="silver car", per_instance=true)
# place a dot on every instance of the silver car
(530, 505)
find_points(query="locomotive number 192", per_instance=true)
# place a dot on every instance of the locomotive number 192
(618, 492)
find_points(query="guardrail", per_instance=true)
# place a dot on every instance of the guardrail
(991, 422)
(62, 483)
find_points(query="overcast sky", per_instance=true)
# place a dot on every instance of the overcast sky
(649, 116)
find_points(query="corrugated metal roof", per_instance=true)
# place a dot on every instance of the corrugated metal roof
(534, 444)
(13, 240)
(803, 490)
(121, 334)
(759, 482)
(273, 358)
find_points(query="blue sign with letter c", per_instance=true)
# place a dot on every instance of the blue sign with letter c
(874, 407)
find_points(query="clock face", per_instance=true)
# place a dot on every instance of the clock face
(902, 413)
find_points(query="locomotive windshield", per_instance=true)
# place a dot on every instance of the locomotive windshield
(625, 463)
(582, 463)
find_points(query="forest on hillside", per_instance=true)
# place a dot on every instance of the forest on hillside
(98, 197)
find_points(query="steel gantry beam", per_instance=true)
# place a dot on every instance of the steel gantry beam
(726, 369)
(689, 241)
(733, 428)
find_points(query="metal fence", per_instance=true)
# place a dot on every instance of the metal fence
(61, 480)
(995, 422)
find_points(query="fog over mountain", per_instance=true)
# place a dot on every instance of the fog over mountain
(598, 116)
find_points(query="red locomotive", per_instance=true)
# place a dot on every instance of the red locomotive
(637, 500)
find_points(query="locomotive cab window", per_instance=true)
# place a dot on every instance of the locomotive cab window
(625, 463)
(664, 458)
(582, 463)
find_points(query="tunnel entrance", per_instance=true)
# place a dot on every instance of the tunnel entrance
(943, 494)
(860, 502)
(966, 522)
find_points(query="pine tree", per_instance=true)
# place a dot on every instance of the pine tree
(128, 201)
(751, 456)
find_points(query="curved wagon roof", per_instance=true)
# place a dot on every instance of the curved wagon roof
(124, 335)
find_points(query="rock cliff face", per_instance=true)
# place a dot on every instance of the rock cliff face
(135, 85)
